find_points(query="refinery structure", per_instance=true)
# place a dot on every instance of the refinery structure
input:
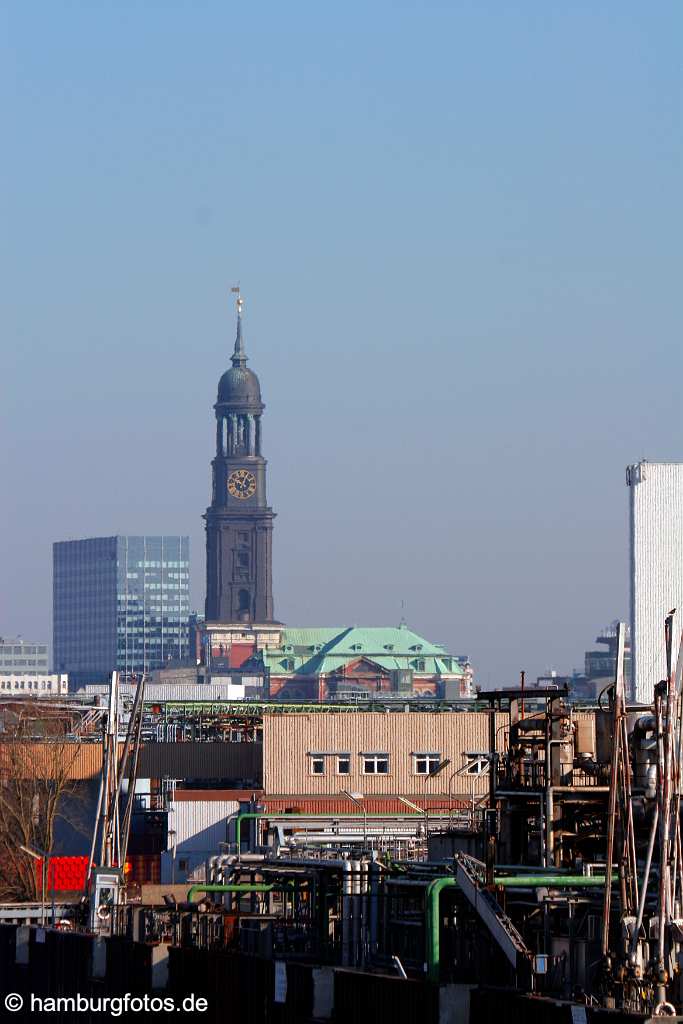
(425, 857)
(335, 824)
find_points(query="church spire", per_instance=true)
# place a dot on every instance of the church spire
(239, 356)
(239, 522)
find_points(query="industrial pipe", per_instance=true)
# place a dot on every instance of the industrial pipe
(553, 881)
(254, 887)
(433, 924)
(375, 872)
(435, 888)
(250, 815)
(347, 890)
(315, 817)
(239, 887)
(643, 891)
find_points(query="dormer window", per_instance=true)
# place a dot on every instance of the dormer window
(356, 647)
(388, 647)
(416, 647)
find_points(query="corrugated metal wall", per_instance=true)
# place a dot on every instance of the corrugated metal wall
(585, 731)
(200, 824)
(289, 739)
(656, 506)
(224, 690)
(238, 762)
(37, 760)
(189, 865)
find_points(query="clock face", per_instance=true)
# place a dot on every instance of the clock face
(241, 483)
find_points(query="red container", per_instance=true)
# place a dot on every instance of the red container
(65, 874)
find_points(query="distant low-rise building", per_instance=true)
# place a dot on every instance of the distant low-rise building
(17, 655)
(360, 662)
(328, 663)
(34, 684)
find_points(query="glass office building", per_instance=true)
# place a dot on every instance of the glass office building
(120, 603)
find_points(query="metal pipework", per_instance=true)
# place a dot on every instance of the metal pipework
(645, 755)
(643, 889)
(347, 887)
(554, 881)
(433, 924)
(435, 888)
(289, 815)
(375, 872)
(618, 712)
(240, 887)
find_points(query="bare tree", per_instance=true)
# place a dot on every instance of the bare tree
(38, 769)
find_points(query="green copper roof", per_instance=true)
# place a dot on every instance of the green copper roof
(326, 650)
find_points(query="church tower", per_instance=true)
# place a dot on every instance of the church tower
(239, 522)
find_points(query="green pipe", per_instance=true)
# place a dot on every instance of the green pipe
(553, 881)
(435, 888)
(302, 816)
(238, 825)
(433, 923)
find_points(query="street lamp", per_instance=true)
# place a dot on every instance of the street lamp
(41, 855)
(470, 759)
(441, 766)
(357, 799)
(425, 810)
(418, 810)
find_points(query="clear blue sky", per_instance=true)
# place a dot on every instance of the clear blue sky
(457, 227)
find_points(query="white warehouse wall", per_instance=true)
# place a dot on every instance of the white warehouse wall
(656, 529)
(200, 824)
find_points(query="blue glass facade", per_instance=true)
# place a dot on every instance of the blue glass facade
(153, 602)
(120, 602)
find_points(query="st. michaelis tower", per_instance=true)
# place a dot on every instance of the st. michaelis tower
(239, 522)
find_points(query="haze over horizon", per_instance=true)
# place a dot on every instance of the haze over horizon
(457, 231)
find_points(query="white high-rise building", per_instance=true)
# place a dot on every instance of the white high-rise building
(656, 501)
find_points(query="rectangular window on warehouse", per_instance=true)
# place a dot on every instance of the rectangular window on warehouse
(425, 764)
